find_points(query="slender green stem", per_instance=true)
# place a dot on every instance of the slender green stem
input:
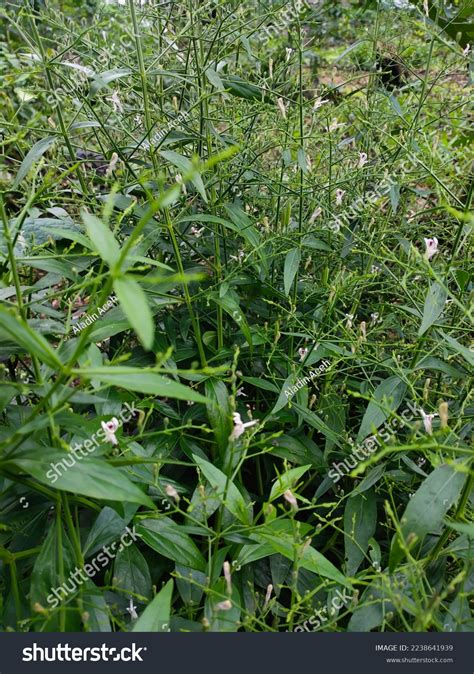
(15, 590)
(187, 296)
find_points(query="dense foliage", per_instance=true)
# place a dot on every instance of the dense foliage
(235, 314)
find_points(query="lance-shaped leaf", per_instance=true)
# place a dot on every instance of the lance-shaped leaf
(171, 541)
(135, 306)
(226, 490)
(156, 616)
(102, 238)
(32, 157)
(309, 558)
(88, 477)
(426, 510)
(360, 519)
(292, 263)
(33, 343)
(143, 381)
(434, 304)
(185, 165)
(386, 398)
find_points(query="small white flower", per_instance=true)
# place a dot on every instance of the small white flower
(363, 330)
(375, 269)
(349, 319)
(240, 392)
(282, 107)
(315, 215)
(339, 196)
(466, 50)
(110, 428)
(376, 566)
(224, 605)
(374, 318)
(239, 426)
(319, 102)
(289, 52)
(362, 159)
(428, 421)
(132, 610)
(268, 595)
(239, 257)
(335, 125)
(306, 545)
(196, 231)
(431, 246)
(302, 352)
(118, 107)
(289, 496)
(112, 165)
(228, 577)
(179, 180)
(335, 226)
(171, 492)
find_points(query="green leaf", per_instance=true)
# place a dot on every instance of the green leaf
(45, 573)
(185, 165)
(171, 541)
(426, 510)
(433, 363)
(231, 307)
(302, 161)
(259, 382)
(134, 303)
(102, 238)
(107, 527)
(226, 490)
(242, 89)
(214, 79)
(222, 620)
(292, 263)
(459, 348)
(33, 155)
(131, 572)
(101, 80)
(219, 412)
(95, 608)
(372, 609)
(89, 477)
(143, 381)
(287, 481)
(434, 304)
(252, 553)
(386, 398)
(372, 477)
(360, 520)
(311, 559)
(243, 224)
(316, 422)
(248, 231)
(282, 399)
(33, 343)
(156, 616)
